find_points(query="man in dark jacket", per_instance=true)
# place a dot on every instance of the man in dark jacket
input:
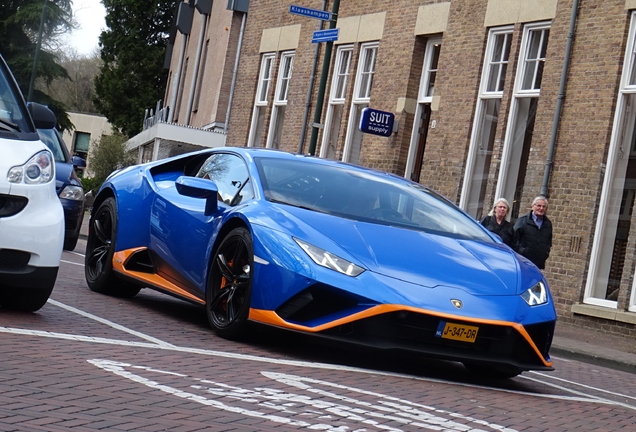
(533, 233)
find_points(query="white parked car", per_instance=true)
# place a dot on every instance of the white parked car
(31, 216)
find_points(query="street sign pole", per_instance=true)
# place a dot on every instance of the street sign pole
(310, 90)
(323, 83)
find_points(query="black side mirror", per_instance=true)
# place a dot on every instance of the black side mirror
(42, 116)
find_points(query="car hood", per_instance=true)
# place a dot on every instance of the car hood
(418, 257)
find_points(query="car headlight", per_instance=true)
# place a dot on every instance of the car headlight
(39, 169)
(75, 193)
(329, 260)
(537, 295)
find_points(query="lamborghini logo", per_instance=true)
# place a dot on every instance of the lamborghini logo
(457, 303)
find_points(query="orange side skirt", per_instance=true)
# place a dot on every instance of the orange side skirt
(119, 260)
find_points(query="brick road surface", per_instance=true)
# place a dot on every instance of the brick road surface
(152, 363)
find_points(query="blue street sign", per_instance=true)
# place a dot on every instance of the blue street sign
(329, 35)
(311, 13)
(377, 122)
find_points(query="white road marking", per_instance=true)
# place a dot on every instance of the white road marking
(624, 405)
(561, 359)
(78, 338)
(283, 407)
(74, 263)
(582, 385)
(295, 363)
(109, 323)
(157, 343)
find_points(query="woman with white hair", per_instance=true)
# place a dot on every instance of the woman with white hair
(496, 221)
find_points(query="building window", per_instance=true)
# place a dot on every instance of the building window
(261, 101)
(613, 224)
(361, 98)
(518, 141)
(478, 166)
(82, 143)
(280, 100)
(433, 48)
(423, 110)
(337, 96)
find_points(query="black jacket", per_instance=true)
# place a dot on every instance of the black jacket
(532, 242)
(504, 230)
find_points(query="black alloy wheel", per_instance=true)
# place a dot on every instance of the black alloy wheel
(230, 284)
(100, 248)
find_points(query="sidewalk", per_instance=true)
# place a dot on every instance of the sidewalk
(569, 341)
(595, 347)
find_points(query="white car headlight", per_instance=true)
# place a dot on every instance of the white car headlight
(329, 260)
(39, 169)
(537, 295)
(75, 193)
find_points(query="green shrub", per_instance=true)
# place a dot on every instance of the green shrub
(108, 155)
(90, 184)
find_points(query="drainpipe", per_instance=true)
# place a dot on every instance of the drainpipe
(184, 24)
(557, 113)
(323, 82)
(177, 77)
(314, 66)
(197, 59)
(234, 73)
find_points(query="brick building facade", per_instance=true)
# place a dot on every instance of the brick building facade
(492, 98)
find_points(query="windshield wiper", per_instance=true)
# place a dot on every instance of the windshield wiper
(6, 124)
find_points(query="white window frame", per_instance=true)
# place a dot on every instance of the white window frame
(625, 91)
(340, 79)
(422, 99)
(483, 97)
(518, 94)
(359, 100)
(281, 93)
(261, 99)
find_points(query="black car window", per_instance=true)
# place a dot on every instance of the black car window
(12, 117)
(54, 143)
(365, 196)
(230, 174)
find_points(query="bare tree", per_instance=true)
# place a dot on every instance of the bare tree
(77, 92)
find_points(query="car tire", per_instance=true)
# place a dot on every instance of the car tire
(100, 248)
(229, 289)
(492, 371)
(24, 300)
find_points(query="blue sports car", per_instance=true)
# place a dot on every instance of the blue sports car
(317, 246)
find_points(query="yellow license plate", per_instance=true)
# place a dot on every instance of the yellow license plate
(457, 332)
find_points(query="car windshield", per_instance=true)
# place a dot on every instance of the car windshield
(54, 143)
(12, 117)
(364, 196)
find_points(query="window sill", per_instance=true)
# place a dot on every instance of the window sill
(605, 313)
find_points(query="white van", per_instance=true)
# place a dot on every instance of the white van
(31, 216)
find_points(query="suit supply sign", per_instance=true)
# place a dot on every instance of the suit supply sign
(377, 122)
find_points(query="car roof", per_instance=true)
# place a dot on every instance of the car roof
(256, 152)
